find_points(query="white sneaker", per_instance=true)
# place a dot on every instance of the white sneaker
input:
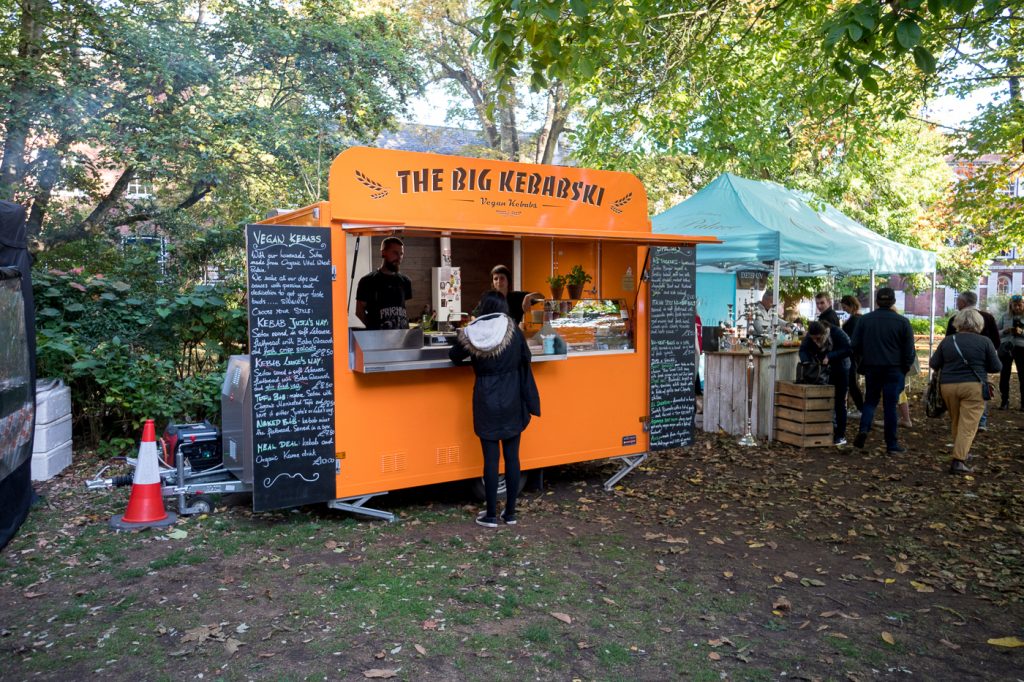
(853, 413)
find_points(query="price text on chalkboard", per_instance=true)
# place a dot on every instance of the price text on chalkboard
(291, 343)
(673, 346)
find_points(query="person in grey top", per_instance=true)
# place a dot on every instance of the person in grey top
(965, 359)
(1011, 348)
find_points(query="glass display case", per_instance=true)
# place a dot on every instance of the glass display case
(585, 325)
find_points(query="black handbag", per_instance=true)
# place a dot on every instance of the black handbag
(811, 373)
(934, 405)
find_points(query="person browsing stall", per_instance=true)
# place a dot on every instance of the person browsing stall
(381, 295)
(851, 305)
(826, 313)
(968, 300)
(1011, 349)
(965, 359)
(504, 396)
(883, 343)
(830, 346)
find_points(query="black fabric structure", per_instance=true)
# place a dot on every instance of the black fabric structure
(16, 494)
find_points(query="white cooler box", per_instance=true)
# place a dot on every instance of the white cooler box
(51, 449)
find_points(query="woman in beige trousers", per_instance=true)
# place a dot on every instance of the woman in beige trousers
(965, 358)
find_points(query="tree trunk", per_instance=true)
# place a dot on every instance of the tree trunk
(46, 179)
(18, 115)
(554, 124)
(509, 132)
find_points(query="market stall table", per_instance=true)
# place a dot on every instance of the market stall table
(725, 389)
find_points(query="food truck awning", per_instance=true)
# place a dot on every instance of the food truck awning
(498, 232)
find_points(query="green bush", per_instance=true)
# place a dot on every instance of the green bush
(134, 343)
(920, 325)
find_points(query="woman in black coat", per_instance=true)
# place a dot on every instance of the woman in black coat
(504, 397)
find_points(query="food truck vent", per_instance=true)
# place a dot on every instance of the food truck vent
(449, 455)
(392, 461)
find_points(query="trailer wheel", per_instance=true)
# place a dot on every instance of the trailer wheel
(476, 487)
(199, 505)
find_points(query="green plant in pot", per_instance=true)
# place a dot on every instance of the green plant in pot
(575, 280)
(557, 283)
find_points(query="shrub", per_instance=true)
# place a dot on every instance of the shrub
(136, 344)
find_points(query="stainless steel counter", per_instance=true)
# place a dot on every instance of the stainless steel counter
(372, 352)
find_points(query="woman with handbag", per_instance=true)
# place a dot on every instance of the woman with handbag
(504, 397)
(1011, 349)
(830, 346)
(965, 358)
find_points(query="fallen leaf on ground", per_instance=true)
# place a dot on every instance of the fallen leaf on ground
(715, 656)
(564, 617)
(888, 638)
(1007, 642)
(429, 624)
(582, 645)
(781, 604)
(231, 645)
(419, 648)
(921, 587)
(380, 673)
(949, 644)
(901, 567)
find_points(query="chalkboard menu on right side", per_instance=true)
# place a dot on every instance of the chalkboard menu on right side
(673, 331)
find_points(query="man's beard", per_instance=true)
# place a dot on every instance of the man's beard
(390, 267)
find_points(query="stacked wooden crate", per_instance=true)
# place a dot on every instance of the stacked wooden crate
(803, 414)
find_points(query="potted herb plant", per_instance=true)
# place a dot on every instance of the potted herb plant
(575, 280)
(557, 283)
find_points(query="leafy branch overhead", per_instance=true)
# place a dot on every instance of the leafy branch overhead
(118, 113)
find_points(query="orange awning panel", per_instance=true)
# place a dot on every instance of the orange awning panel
(384, 191)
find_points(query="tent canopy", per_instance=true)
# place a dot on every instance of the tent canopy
(761, 221)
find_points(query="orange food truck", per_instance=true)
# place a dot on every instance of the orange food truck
(325, 410)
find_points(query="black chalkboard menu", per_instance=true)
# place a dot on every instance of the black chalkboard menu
(291, 341)
(673, 329)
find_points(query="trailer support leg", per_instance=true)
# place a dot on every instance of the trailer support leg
(354, 505)
(629, 462)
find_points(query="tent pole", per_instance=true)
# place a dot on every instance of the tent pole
(775, 349)
(871, 298)
(931, 323)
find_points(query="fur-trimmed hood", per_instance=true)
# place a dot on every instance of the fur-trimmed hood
(488, 336)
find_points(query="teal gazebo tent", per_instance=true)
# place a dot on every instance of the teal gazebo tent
(763, 225)
(762, 222)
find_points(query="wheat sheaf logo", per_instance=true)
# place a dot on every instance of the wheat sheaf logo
(379, 190)
(619, 203)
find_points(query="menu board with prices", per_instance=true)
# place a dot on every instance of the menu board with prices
(291, 341)
(673, 346)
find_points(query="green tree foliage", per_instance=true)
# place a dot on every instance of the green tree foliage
(965, 46)
(221, 109)
(449, 32)
(246, 101)
(778, 91)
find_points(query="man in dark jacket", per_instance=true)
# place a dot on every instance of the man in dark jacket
(826, 313)
(969, 299)
(884, 343)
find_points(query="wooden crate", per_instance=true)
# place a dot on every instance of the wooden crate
(803, 397)
(803, 441)
(803, 414)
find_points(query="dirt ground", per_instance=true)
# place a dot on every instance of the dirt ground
(710, 562)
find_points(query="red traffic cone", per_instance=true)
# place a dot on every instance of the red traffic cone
(146, 503)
